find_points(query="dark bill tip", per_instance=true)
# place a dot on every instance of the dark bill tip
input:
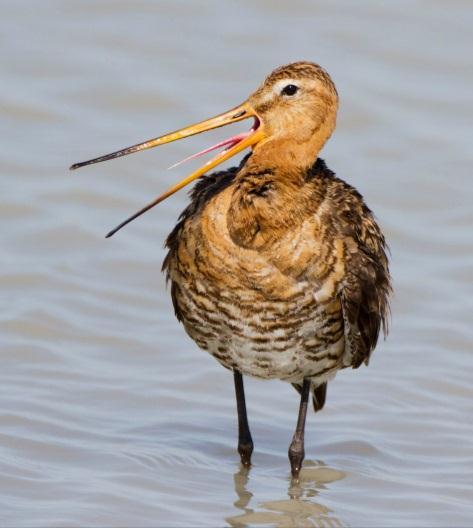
(136, 215)
(112, 155)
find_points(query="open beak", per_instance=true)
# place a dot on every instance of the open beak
(233, 146)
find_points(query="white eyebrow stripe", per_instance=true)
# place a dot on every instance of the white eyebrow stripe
(278, 86)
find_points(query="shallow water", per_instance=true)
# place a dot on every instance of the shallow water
(109, 414)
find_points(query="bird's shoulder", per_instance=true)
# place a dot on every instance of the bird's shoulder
(343, 207)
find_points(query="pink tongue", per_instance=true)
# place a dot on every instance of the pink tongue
(229, 143)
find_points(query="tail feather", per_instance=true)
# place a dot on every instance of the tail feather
(318, 395)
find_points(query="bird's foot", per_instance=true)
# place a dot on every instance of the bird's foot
(296, 457)
(245, 449)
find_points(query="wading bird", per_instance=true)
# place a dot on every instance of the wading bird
(277, 267)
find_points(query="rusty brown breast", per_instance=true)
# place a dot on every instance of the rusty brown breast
(279, 275)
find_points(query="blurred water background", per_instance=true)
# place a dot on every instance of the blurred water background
(109, 414)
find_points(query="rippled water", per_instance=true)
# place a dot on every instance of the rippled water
(109, 414)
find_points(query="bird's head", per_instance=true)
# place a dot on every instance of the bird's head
(293, 111)
(296, 107)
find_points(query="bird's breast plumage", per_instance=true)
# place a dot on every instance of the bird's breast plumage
(271, 312)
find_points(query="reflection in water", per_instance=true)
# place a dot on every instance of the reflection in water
(299, 510)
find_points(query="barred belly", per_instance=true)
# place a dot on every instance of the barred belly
(288, 339)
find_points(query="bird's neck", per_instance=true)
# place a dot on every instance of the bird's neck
(287, 158)
(270, 197)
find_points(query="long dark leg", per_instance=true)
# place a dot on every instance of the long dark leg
(245, 442)
(296, 449)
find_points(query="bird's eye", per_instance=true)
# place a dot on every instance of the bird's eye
(289, 89)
